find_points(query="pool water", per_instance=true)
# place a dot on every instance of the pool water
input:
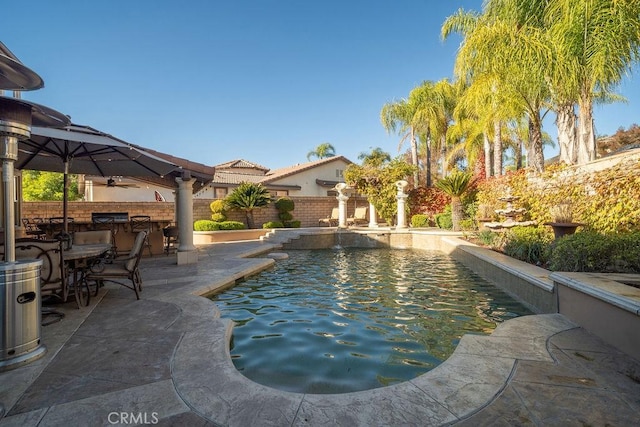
(335, 321)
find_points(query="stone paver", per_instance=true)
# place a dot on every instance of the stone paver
(165, 358)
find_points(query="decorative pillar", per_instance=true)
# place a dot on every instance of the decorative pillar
(187, 253)
(402, 222)
(373, 223)
(342, 204)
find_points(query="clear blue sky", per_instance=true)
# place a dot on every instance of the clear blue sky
(267, 81)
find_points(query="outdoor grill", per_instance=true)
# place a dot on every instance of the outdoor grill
(118, 217)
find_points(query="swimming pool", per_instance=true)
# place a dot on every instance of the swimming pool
(335, 321)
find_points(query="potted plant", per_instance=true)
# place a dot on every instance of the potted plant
(562, 223)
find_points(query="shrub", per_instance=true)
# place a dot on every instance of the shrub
(218, 207)
(231, 225)
(284, 204)
(427, 200)
(420, 220)
(285, 216)
(594, 252)
(444, 220)
(293, 224)
(529, 244)
(218, 217)
(273, 224)
(488, 238)
(206, 225)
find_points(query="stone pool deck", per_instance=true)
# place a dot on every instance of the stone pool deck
(163, 360)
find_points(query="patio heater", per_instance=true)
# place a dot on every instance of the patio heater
(20, 302)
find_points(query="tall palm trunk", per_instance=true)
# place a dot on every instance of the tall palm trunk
(414, 157)
(488, 156)
(497, 147)
(428, 165)
(456, 212)
(535, 153)
(567, 133)
(587, 139)
(443, 155)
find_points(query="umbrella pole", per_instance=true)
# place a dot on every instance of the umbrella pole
(65, 197)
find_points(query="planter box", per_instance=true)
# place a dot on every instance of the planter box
(206, 237)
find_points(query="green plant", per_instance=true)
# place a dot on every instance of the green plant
(232, 225)
(589, 251)
(444, 220)
(487, 237)
(456, 185)
(218, 208)
(294, 224)
(273, 224)
(206, 225)
(285, 216)
(284, 204)
(529, 244)
(420, 220)
(247, 197)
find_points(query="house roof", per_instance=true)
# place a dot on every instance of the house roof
(241, 163)
(228, 177)
(292, 170)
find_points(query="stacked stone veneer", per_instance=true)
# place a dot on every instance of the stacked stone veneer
(307, 210)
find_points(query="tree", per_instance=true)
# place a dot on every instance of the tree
(247, 197)
(376, 179)
(377, 157)
(456, 185)
(322, 151)
(400, 117)
(47, 186)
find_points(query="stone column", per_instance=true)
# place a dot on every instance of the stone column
(187, 253)
(402, 222)
(342, 204)
(372, 216)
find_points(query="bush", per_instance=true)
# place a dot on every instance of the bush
(273, 224)
(444, 220)
(218, 217)
(232, 225)
(529, 244)
(284, 204)
(218, 207)
(285, 216)
(293, 224)
(488, 238)
(420, 220)
(206, 225)
(594, 252)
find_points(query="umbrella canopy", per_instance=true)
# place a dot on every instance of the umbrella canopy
(14, 75)
(84, 150)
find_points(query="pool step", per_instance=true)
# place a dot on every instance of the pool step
(281, 235)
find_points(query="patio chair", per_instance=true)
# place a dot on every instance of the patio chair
(107, 223)
(359, 217)
(331, 221)
(53, 277)
(121, 270)
(31, 229)
(142, 223)
(56, 224)
(171, 236)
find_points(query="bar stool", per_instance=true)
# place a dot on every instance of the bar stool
(142, 223)
(170, 238)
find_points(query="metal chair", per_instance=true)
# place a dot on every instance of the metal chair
(107, 223)
(142, 223)
(56, 225)
(171, 236)
(121, 270)
(31, 229)
(332, 220)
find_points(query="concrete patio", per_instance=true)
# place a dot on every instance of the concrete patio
(163, 360)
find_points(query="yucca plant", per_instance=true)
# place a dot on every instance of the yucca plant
(456, 185)
(247, 197)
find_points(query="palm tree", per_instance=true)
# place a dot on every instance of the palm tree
(247, 197)
(455, 185)
(597, 42)
(322, 151)
(377, 157)
(400, 117)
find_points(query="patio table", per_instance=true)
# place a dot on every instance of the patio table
(78, 260)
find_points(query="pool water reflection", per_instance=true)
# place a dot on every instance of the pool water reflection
(335, 321)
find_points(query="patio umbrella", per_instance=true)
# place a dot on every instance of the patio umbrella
(84, 150)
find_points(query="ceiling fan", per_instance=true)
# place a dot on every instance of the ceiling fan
(113, 183)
